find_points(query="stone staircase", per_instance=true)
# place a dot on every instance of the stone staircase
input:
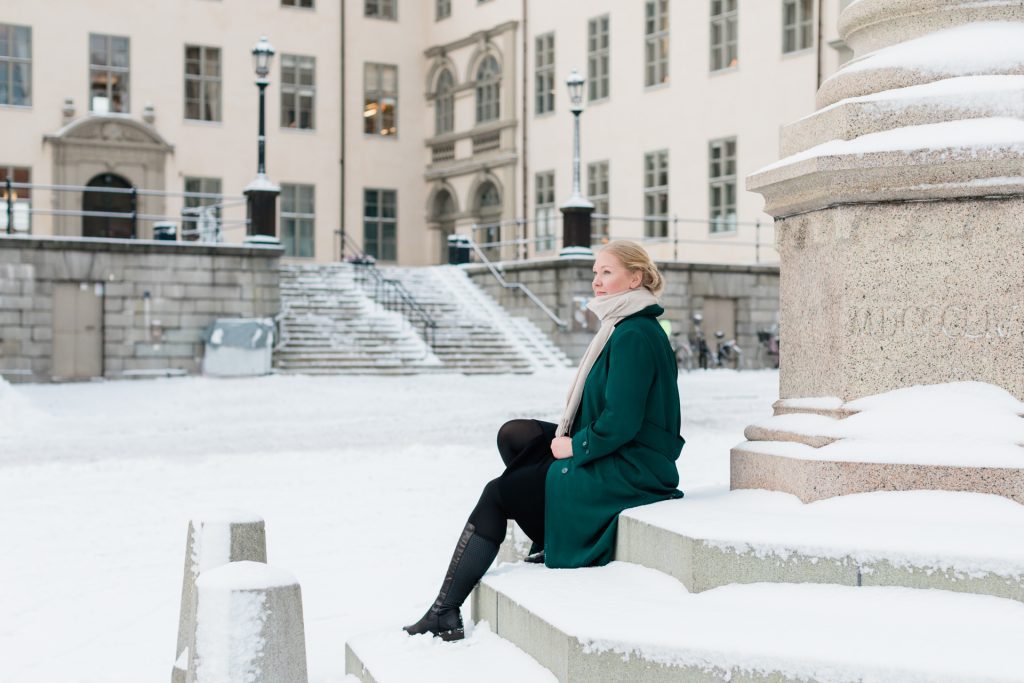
(331, 325)
(756, 586)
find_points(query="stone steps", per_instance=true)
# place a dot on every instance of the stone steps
(706, 541)
(624, 622)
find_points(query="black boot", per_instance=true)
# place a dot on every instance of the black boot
(473, 556)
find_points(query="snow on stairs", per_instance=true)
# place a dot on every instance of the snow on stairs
(757, 586)
(329, 326)
(475, 334)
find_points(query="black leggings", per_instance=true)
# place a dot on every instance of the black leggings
(525, 448)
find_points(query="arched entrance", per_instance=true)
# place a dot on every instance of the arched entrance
(108, 202)
(488, 217)
(443, 213)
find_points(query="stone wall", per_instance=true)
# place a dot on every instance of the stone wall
(563, 284)
(156, 298)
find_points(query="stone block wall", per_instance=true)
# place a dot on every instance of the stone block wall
(156, 299)
(563, 284)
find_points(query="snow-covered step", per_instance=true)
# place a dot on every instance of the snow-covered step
(394, 657)
(624, 622)
(964, 542)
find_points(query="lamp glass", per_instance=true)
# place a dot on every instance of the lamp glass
(575, 83)
(262, 55)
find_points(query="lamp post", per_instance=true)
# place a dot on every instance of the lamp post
(577, 211)
(261, 193)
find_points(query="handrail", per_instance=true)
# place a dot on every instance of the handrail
(515, 285)
(385, 288)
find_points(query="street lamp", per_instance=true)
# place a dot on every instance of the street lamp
(261, 193)
(262, 56)
(577, 211)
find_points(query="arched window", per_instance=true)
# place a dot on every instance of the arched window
(488, 218)
(444, 104)
(119, 227)
(488, 90)
(444, 207)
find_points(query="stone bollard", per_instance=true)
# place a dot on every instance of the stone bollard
(214, 539)
(249, 626)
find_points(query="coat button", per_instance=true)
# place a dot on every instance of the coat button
(565, 470)
(584, 444)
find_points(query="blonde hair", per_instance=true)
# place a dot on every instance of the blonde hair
(635, 258)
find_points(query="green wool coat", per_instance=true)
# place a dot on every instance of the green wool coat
(625, 441)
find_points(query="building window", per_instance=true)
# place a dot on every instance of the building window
(722, 185)
(544, 210)
(380, 94)
(488, 90)
(724, 53)
(598, 55)
(298, 91)
(597, 192)
(381, 9)
(487, 231)
(442, 9)
(655, 42)
(297, 3)
(544, 77)
(380, 224)
(16, 65)
(20, 199)
(297, 220)
(444, 103)
(797, 25)
(656, 194)
(202, 83)
(108, 74)
(201, 213)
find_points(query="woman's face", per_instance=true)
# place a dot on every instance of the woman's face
(611, 277)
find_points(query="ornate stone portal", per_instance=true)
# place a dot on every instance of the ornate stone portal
(94, 146)
(898, 212)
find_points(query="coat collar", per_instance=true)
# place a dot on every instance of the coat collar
(652, 311)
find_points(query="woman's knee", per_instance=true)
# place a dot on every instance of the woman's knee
(513, 436)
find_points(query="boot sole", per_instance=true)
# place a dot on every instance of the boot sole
(449, 636)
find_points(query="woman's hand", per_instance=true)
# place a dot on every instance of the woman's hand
(561, 447)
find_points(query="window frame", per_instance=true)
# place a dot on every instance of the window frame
(442, 9)
(299, 4)
(201, 185)
(722, 182)
(385, 10)
(725, 54)
(297, 90)
(110, 70)
(9, 63)
(657, 45)
(203, 80)
(801, 30)
(302, 219)
(23, 197)
(544, 210)
(380, 98)
(656, 193)
(599, 193)
(491, 89)
(599, 55)
(444, 104)
(380, 221)
(544, 73)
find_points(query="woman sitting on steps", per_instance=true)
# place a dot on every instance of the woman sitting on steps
(615, 447)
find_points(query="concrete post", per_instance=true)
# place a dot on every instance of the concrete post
(249, 626)
(214, 539)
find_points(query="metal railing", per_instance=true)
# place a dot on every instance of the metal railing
(515, 285)
(391, 293)
(205, 220)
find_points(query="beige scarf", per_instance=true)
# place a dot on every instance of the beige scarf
(610, 309)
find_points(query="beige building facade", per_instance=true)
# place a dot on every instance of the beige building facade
(392, 124)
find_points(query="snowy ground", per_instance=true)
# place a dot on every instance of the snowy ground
(364, 484)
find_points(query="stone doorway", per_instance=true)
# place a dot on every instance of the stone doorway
(107, 202)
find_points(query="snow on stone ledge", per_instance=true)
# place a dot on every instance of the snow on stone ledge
(216, 515)
(959, 424)
(243, 576)
(971, 135)
(981, 47)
